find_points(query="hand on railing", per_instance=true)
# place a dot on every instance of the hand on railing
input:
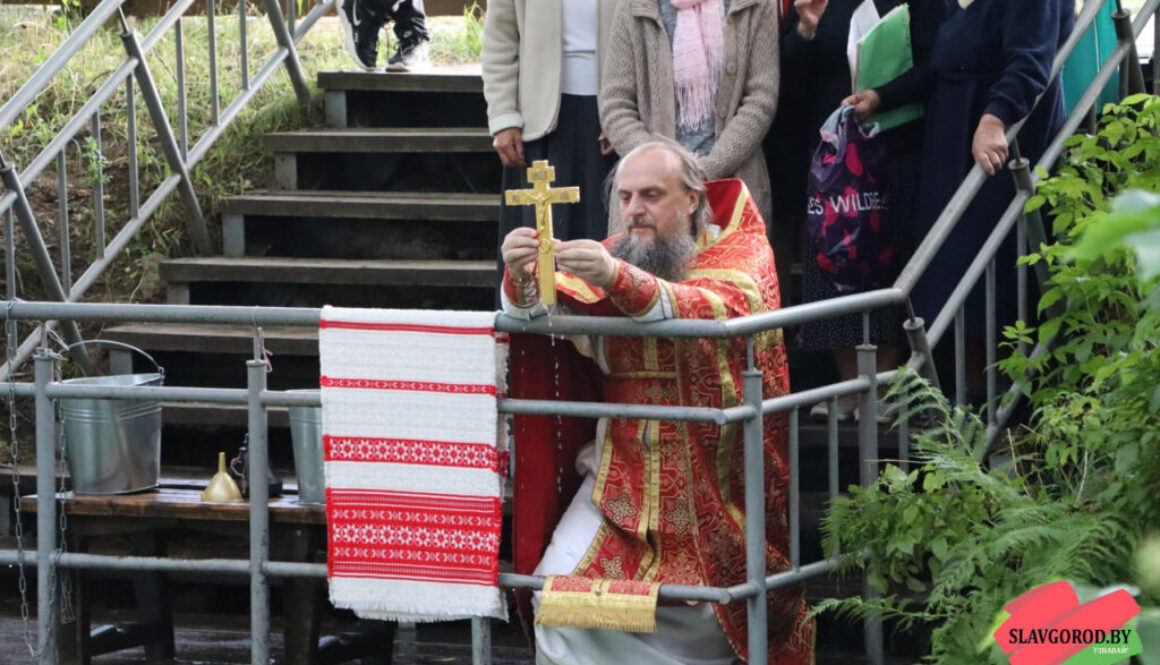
(989, 146)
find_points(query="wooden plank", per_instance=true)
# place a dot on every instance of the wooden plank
(382, 140)
(330, 271)
(279, 340)
(459, 80)
(416, 206)
(219, 415)
(181, 504)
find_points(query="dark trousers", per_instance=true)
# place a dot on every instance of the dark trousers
(410, 22)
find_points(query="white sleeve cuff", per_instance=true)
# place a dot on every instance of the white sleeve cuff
(516, 312)
(661, 310)
(504, 121)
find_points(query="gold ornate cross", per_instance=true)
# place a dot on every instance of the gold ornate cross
(541, 174)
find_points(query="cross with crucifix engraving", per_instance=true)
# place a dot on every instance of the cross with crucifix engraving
(541, 174)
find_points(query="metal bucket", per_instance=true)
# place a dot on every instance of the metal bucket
(306, 439)
(113, 445)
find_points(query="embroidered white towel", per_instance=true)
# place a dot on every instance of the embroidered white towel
(413, 460)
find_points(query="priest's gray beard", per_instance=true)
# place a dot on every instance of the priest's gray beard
(664, 257)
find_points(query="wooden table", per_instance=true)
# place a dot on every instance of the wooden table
(297, 533)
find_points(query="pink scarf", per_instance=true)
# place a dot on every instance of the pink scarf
(698, 52)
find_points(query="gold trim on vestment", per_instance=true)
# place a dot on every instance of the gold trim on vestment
(728, 439)
(605, 465)
(593, 547)
(652, 302)
(705, 241)
(651, 562)
(599, 608)
(676, 307)
(581, 290)
(651, 361)
(740, 279)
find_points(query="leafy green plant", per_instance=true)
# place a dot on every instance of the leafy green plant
(959, 536)
(1073, 494)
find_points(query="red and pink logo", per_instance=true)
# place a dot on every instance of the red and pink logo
(1050, 626)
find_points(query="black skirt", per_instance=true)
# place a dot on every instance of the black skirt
(885, 323)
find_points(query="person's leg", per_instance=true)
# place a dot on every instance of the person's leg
(410, 21)
(361, 21)
(411, 31)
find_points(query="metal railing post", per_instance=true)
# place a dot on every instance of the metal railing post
(1131, 75)
(259, 514)
(755, 568)
(62, 221)
(480, 635)
(921, 357)
(1155, 60)
(40, 256)
(194, 220)
(47, 615)
(1035, 233)
(99, 188)
(293, 67)
(868, 474)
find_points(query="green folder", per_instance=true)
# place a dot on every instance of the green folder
(884, 54)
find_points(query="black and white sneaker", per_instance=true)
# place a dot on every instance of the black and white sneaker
(361, 32)
(410, 56)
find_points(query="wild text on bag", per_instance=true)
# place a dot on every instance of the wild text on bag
(846, 211)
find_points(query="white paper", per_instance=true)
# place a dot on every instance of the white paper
(864, 18)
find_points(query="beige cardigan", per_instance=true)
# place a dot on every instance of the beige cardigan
(529, 33)
(637, 95)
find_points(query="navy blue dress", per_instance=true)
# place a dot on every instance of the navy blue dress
(815, 78)
(994, 57)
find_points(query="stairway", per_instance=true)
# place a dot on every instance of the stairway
(393, 204)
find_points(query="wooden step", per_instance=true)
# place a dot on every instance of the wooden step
(409, 206)
(228, 339)
(382, 140)
(443, 80)
(178, 272)
(198, 414)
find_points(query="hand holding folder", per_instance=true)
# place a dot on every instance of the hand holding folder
(879, 52)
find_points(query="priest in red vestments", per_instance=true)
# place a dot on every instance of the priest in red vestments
(663, 501)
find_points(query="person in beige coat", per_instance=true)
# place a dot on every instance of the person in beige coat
(541, 76)
(639, 96)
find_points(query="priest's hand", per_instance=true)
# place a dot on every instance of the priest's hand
(588, 260)
(519, 250)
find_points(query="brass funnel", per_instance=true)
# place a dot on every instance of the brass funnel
(222, 488)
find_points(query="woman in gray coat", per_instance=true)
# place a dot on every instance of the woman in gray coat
(720, 99)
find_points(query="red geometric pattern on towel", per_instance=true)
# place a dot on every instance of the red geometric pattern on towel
(414, 536)
(416, 386)
(403, 451)
(404, 327)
